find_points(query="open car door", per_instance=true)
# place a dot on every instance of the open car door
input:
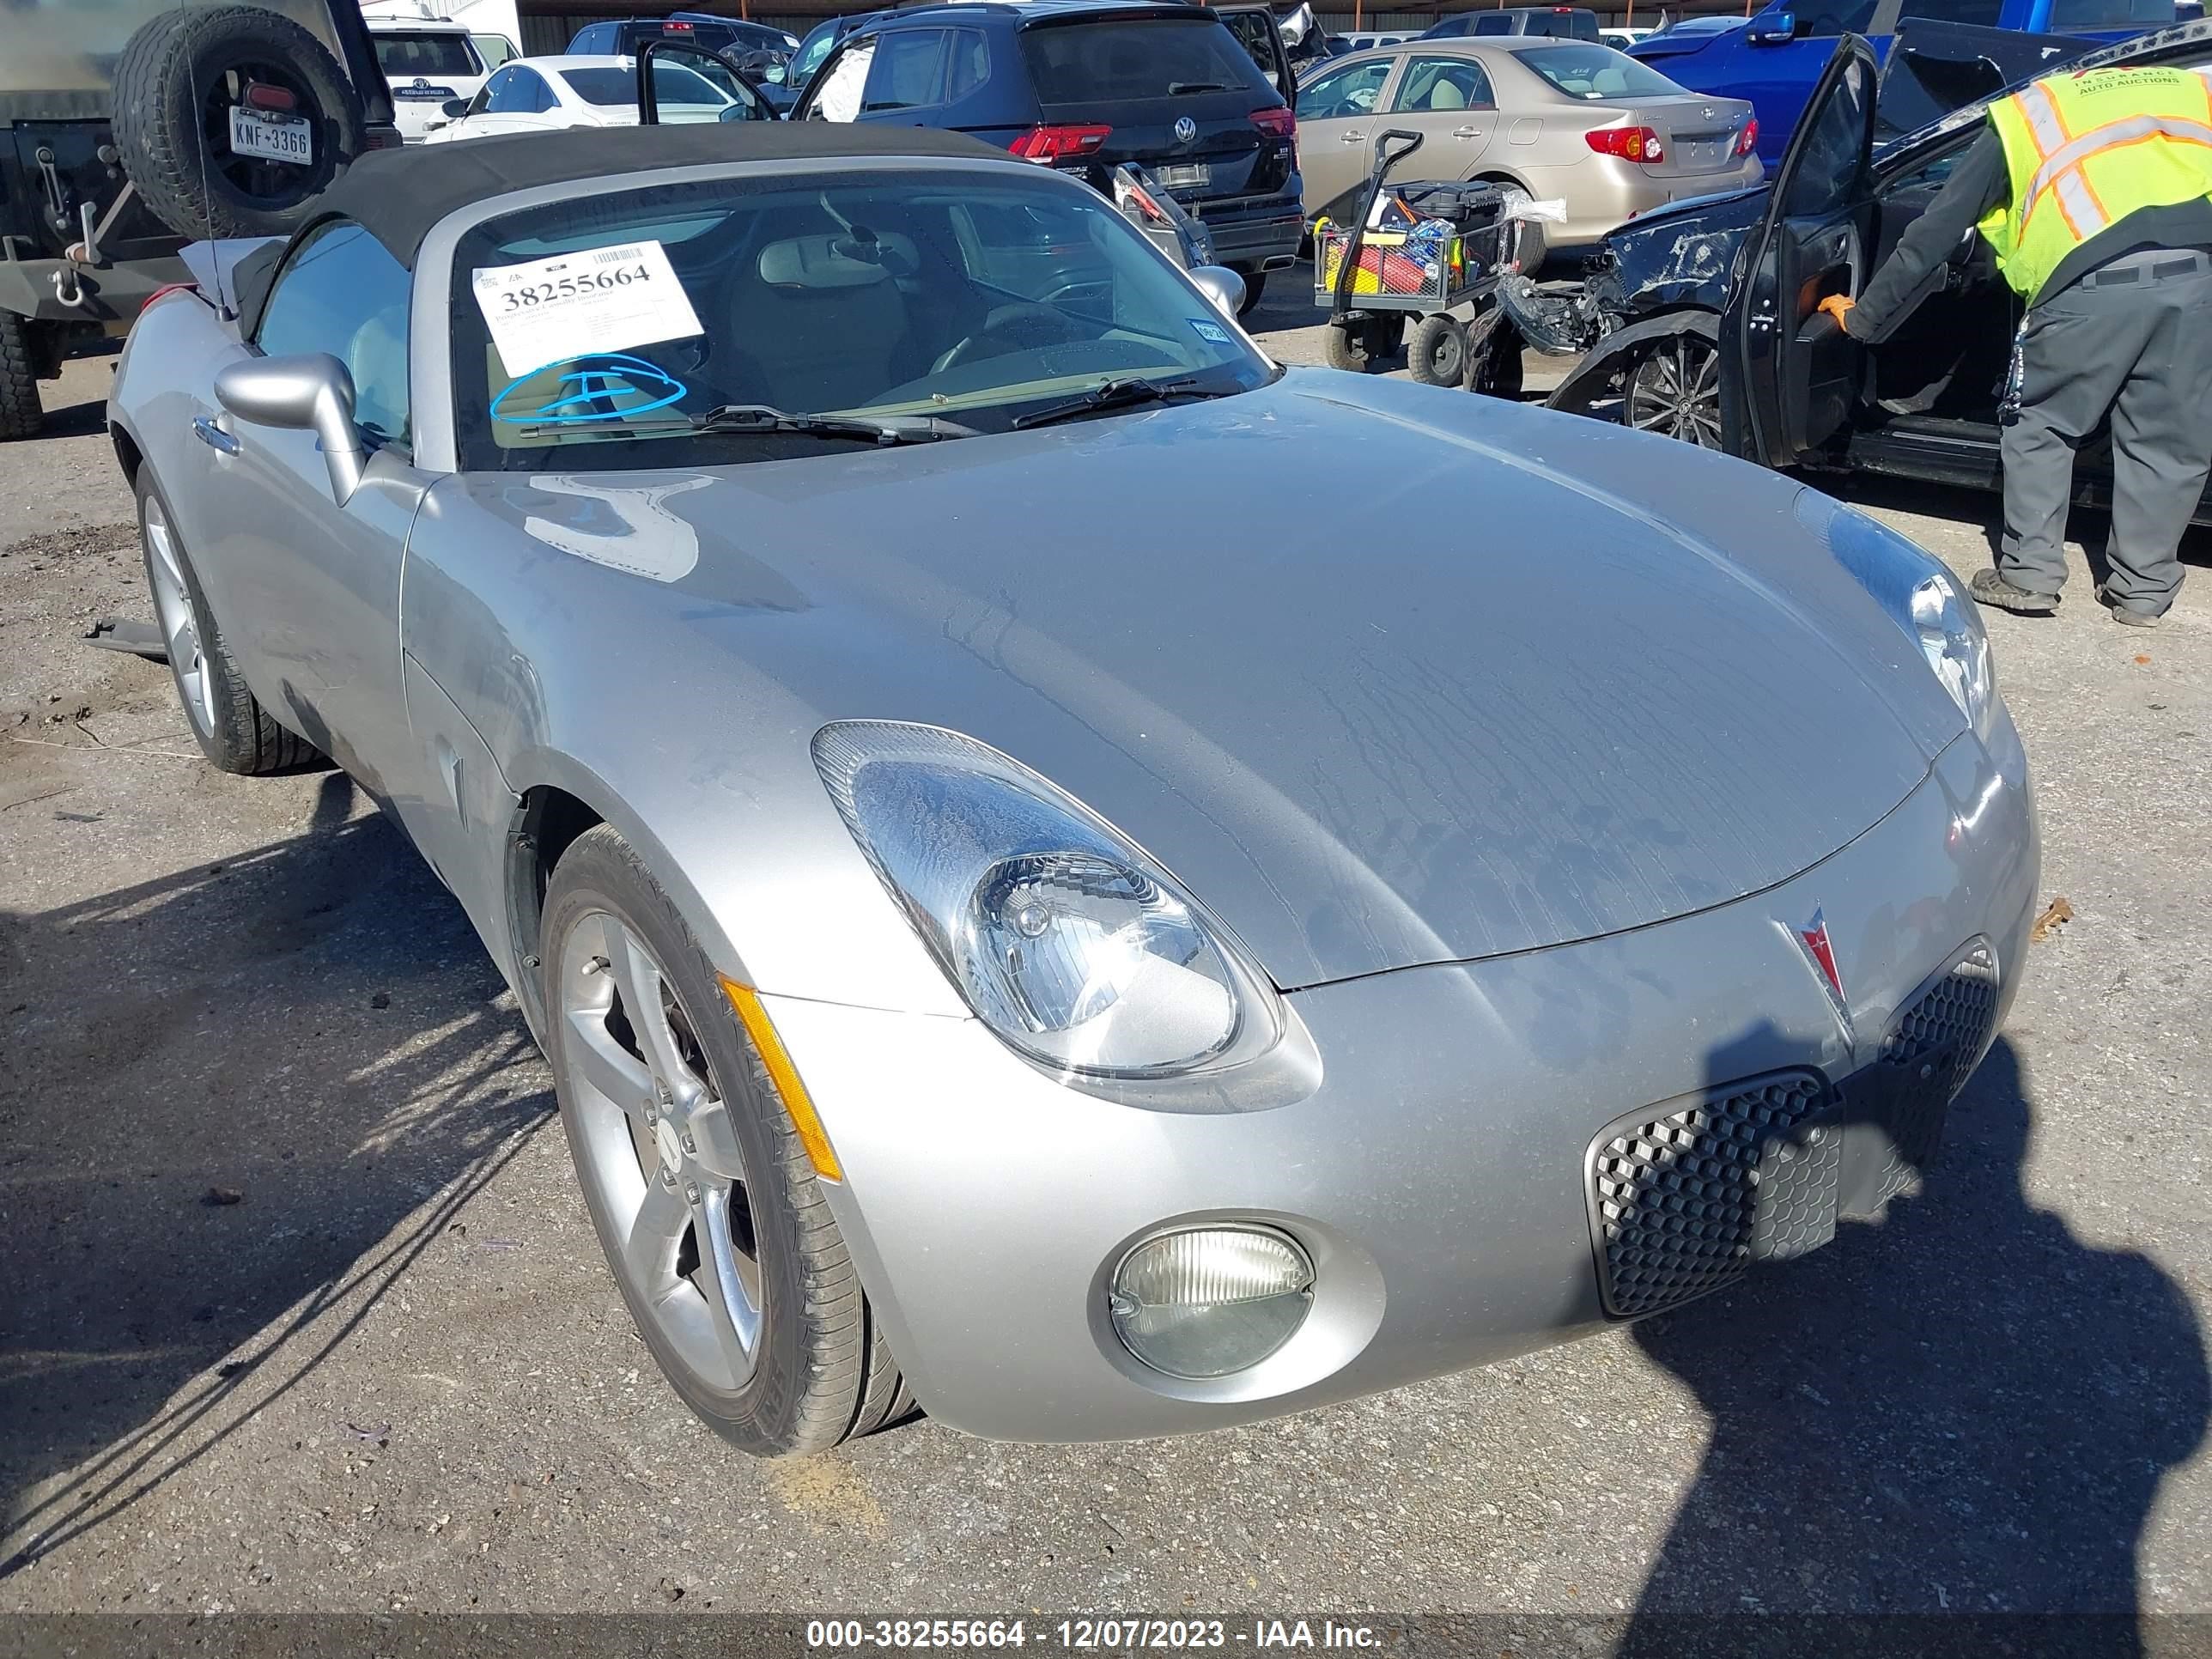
(1256, 31)
(1796, 374)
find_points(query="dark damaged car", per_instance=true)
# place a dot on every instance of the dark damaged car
(1699, 320)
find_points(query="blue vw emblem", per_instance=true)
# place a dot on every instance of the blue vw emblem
(1186, 129)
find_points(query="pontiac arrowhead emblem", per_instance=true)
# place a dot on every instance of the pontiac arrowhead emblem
(1812, 940)
(1813, 936)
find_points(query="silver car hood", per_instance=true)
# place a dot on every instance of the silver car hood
(1382, 672)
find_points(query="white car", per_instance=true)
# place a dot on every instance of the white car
(429, 64)
(541, 95)
(1621, 39)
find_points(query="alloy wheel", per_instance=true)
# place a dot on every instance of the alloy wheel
(660, 1153)
(173, 610)
(1674, 390)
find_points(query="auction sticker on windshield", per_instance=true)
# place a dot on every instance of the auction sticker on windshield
(598, 298)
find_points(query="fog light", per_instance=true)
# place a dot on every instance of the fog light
(1211, 1300)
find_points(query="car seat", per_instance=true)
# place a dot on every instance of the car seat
(823, 318)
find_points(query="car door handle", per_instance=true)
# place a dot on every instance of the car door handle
(1352, 138)
(1466, 132)
(205, 430)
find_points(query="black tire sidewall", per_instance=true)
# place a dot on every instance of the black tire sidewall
(22, 414)
(162, 83)
(600, 872)
(1438, 355)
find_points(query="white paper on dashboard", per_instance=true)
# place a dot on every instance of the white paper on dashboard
(595, 299)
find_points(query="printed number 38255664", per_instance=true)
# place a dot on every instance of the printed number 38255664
(565, 287)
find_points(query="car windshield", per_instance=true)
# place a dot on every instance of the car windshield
(672, 84)
(414, 56)
(946, 303)
(1597, 73)
(1115, 61)
(811, 50)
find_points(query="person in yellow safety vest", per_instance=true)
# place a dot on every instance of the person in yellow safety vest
(2094, 191)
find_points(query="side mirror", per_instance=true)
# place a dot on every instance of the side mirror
(737, 112)
(311, 392)
(1771, 28)
(1221, 285)
(455, 108)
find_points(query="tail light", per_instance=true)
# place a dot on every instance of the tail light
(1278, 121)
(1630, 143)
(1050, 144)
(259, 95)
(1747, 140)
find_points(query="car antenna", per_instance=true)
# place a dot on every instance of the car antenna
(223, 306)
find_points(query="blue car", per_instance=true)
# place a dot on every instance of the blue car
(1775, 59)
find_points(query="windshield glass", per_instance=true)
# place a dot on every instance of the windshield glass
(1595, 73)
(412, 56)
(812, 49)
(672, 84)
(1111, 61)
(969, 296)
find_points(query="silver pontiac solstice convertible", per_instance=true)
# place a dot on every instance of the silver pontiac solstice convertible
(1072, 877)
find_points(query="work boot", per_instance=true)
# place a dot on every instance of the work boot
(1990, 588)
(2121, 614)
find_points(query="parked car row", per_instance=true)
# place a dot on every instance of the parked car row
(1206, 99)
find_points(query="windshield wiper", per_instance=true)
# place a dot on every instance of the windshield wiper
(765, 419)
(1115, 394)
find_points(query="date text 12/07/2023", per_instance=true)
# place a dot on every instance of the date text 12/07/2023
(1090, 1634)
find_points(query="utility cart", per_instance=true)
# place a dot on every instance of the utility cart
(1432, 258)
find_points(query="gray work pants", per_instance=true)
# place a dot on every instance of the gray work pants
(2144, 352)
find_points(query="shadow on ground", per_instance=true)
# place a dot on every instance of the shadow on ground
(1964, 1409)
(237, 1102)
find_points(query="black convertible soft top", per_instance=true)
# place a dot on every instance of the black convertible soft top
(398, 195)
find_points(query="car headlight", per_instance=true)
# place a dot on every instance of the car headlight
(1921, 595)
(1068, 941)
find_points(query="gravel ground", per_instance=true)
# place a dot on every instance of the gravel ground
(303, 1312)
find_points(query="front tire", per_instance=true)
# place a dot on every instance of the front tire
(705, 1200)
(234, 731)
(1437, 354)
(1673, 388)
(1362, 348)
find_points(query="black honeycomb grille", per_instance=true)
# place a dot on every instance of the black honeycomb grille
(1949, 1025)
(1676, 1201)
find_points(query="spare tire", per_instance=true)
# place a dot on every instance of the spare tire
(176, 83)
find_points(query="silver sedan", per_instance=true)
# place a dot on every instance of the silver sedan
(1035, 906)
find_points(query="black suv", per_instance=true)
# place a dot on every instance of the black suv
(1197, 95)
(130, 128)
